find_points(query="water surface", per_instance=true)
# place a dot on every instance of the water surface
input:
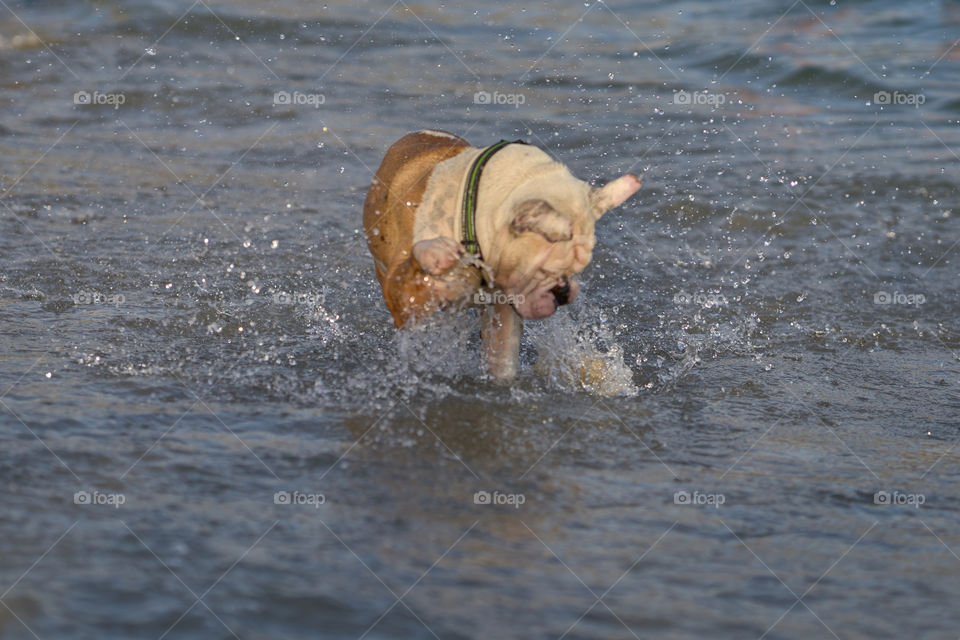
(192, 332)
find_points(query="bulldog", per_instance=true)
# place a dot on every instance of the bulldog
(504, 227)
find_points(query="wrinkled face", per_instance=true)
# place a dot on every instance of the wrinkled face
(537, 270)
(548, 241)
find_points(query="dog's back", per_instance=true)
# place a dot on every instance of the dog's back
(396, 191)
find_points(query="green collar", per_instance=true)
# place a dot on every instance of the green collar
(469, 239)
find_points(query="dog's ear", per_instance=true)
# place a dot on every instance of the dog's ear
(613, 194)
(539, 217)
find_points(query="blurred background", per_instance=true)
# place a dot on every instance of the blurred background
(209, 427)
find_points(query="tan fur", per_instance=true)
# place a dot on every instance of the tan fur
(389, 213)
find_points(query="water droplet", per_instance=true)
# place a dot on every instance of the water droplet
(151, 51)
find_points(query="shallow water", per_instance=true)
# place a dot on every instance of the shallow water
(191, 325)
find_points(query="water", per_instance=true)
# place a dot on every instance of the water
(192, 331)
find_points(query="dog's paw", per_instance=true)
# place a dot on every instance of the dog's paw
(437, 255)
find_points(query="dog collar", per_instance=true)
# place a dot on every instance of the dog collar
(469, 233)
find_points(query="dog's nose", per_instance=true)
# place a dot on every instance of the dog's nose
(562, 292)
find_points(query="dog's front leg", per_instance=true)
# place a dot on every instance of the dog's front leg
(501, 332)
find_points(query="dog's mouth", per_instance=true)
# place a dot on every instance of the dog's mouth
(561, 292)
(542, 302)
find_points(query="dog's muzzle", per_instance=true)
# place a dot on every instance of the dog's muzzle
(561, 292)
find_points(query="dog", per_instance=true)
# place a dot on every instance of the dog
(506, 227)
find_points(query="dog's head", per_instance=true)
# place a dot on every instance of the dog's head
(547, 237)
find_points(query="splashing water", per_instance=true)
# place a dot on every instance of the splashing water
(573, 354)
